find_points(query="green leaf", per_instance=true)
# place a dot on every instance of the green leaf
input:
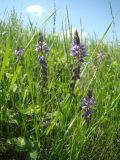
(21, 143)
(33, 155)
(27, 111)
(9, 76)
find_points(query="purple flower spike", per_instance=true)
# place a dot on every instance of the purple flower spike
(76, 40)
(38, 48)
(89, 94)
(41, 60)
(87, 113)
(78, 48)
(43, 64)
(83, 50)
(19, 51)
(86, 106)
(45, 47)
(78, 51)
(41, 46)
(81, 60)
(85, 101)
(74, 50)
(92, 101)
(89, 99)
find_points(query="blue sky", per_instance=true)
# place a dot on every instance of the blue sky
(95, 14)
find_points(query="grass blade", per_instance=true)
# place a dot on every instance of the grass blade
(5, 59)
(16, 73)
(49, 17)
(106, 31)
(53, 123)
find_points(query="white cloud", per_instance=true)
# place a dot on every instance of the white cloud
(36, 9)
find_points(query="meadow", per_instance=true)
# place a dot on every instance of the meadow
(41, 115)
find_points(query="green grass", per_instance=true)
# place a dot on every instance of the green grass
(43, 122)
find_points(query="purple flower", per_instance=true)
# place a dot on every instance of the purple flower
(86, 105)
(87, 113)
(82, 50)
(81, 60)
(38, 47)
(92, 101)
(78, 51)
(43, 64)
(89, 99)
(45, 47)
(100, 57)
(78, 48)
(19, 51)
(41, 46)
(41, 60)
(75, 50)
(85, 101)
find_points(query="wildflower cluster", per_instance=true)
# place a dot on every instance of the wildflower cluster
(88, 101)
(78, 51)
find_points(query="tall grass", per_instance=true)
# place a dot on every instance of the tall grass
(44, 122)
